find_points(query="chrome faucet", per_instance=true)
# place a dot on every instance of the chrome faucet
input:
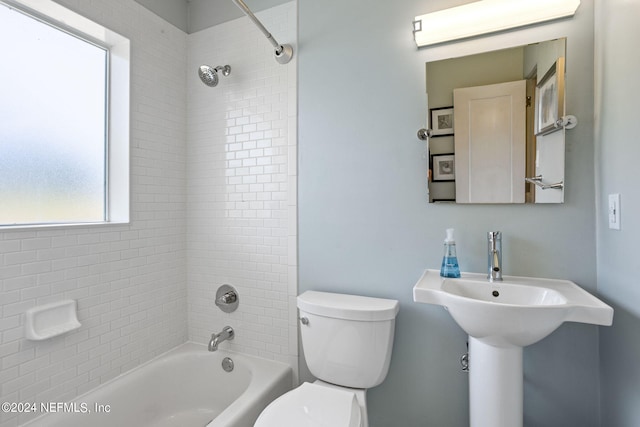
(494, 239)
(226, 334)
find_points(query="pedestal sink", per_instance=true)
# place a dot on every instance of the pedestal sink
(501, 318)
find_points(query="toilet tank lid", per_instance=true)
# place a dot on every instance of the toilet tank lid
(349, 307)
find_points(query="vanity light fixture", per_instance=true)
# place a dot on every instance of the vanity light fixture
(487, 16)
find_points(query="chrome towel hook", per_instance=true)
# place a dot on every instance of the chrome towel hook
(424, 134)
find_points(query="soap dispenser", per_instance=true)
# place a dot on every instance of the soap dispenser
(450, 266)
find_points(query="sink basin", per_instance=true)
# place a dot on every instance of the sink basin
(518, 311)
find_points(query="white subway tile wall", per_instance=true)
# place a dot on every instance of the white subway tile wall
(241, 176)
(129, 280)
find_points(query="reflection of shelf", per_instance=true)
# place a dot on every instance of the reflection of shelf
(50, 320)
(537, 180)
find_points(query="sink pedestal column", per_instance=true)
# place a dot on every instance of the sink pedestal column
(495, 385)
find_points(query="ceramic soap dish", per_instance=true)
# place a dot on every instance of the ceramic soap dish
(50, 320)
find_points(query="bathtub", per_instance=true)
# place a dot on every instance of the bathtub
(182, 388)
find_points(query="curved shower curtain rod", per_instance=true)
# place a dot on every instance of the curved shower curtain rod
(284, 52)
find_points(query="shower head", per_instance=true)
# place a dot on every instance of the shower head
(209, 75)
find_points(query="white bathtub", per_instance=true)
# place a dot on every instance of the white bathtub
(182, 388)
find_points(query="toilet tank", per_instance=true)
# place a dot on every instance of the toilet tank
(347, 339)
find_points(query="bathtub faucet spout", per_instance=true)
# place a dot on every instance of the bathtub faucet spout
(226, 334)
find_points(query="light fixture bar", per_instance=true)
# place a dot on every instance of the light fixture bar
(487, 16)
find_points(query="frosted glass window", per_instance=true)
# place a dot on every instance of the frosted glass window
(53, 121)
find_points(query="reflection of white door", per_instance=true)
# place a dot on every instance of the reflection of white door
(490, 142)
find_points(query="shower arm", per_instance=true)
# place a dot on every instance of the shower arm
(283, 52)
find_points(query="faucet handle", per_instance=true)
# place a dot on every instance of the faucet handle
(494, 235)
(227, 298)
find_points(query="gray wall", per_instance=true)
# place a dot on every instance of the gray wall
(365, 226)
(617, 151)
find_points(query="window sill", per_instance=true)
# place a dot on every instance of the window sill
(61, 226)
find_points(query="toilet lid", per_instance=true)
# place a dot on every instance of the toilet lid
(312, 405)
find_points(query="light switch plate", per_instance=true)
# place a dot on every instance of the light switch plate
(614, 211)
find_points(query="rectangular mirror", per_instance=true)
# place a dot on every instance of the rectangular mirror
(493, 120)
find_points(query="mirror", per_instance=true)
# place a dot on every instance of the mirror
(494, 120)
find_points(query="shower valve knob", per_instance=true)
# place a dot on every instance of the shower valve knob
(227, 298)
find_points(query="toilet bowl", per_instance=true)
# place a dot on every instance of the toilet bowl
(314, 405)
(347, 342)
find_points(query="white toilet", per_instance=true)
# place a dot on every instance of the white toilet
(347, 342)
